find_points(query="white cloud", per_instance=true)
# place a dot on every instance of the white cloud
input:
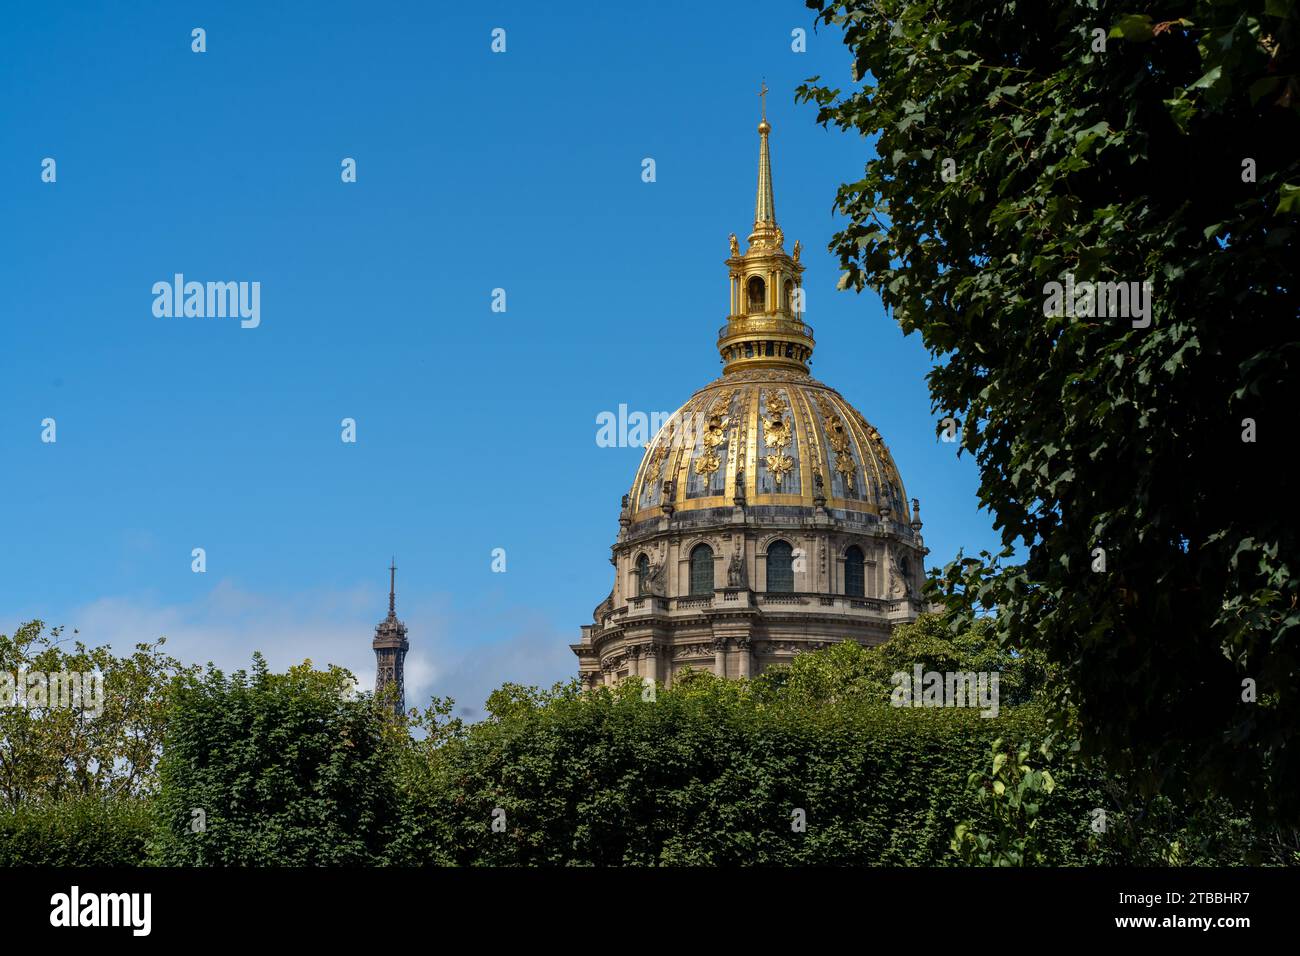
(464, 656)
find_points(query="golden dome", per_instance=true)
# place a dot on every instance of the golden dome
(767, 517)
(767, 432)
(767, 437)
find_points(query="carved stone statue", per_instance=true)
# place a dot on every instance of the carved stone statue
(655, 580)
(899, 585)
(736, 571)
(666, 500)
(819, 489)
(896, 586)
(735, 245)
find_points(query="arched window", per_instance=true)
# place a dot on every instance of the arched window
(757, 294)
(854, 572)
(780, 567)
(642, 573)
(701, 569)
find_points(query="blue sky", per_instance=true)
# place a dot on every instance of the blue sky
(476, 430)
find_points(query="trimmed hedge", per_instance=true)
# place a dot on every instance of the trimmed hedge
(712, 778)
(81, 832)
(709, 773)
(289, 772)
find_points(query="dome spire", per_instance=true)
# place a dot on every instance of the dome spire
(765, 325)
(764, 204)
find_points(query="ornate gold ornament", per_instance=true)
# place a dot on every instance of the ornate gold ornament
(708, 464)
(715, 434)
(778, 466)
(655, 466)
(886, 460)
(776, 429)
(838, 438)
(657, 458)
(776, 434)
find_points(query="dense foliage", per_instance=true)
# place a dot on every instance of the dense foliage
(267, 769)
(76, 831)
(52, 753)
(706, 774)
(849, 671)
(712, 772)
(806, 764)
(1139, 464)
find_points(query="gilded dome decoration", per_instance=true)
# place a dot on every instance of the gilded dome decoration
(767, 516)
(805, 427)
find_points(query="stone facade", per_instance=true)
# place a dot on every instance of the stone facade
(741, 628)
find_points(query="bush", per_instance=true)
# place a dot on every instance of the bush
(710, 773)
(87, 831)
(292, 770)
(280, 770)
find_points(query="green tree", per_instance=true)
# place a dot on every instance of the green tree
(267, 769)
(52, 753)
(850, 671)
(708, 773)
(1025, 141)
(1012, 791)
(711, 772)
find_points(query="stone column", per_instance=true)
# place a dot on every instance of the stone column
(746, 658)
(651, 669)
(720, 657)
(631, 661)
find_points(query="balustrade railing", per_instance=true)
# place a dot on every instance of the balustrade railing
(641, 605)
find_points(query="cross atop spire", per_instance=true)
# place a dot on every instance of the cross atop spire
(764, 205)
